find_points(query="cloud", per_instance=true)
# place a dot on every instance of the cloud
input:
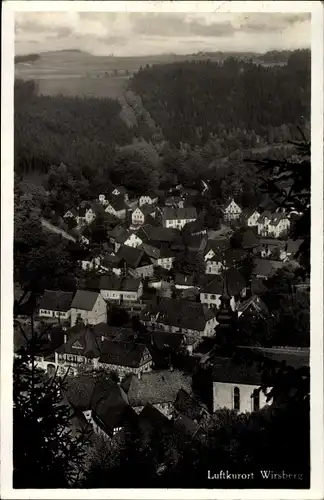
(130, 33)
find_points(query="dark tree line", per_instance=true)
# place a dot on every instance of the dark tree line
(193, 100)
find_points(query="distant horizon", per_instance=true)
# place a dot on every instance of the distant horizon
(161, 53)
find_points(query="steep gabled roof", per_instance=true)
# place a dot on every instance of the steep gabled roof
(85, 300)
(179, 313)
(265, 267)
(257, 303)
(112, 282)
(129, 354)
(170, 213)
(235, 283)
(81, 341)
(186, 404)
(117, 202)
(249, 239)
(56, 300)
(227, 370)
(156, 387)
(132, 256)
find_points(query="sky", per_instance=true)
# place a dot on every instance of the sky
(132, 33)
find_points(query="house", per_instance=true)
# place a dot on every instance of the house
(90, 261)
(187, 427)
(80, 350)
(183, 281)
(120, 191)
(273, 224)
(133, 240)
(254, 306)
(180, 316)
(116, 206)
(272, 247)
(232, 210)
(215, 247)
(196, 227)
(110, 262)
(142, 215)
(117, 289)
(148, 199)
(174, 201)
(70, 214)
(125, 357)
(265, 268)
(56, 304)
(165, 340)
(236, 287)
(236, 386)
(157, 388)
(158, 234)
(223, 259)
(86, 214)
(101, 401)
(135, 261)
(292, 247)
(178, 217)
(186, 404)
(166, 257)
(251, 217)
(118, 236)
(88, 306)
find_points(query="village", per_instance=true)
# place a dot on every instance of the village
(158, 298)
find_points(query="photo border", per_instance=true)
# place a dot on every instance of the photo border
(316, 490)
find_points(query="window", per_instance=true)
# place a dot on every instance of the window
(213, 297)
(256, 400)
(236, 398)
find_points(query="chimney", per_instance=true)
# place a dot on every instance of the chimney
(65, 338)
(102, 338)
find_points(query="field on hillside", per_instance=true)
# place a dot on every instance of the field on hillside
(72, 72)
(66, 85)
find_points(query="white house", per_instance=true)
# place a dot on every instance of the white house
(214, 265)
(56, 304)
(117, 207)
(273, 224)
(117, 289)
(90, 262)
(165, 261)
(90, 307)
(102, 199)
(177, 217)
(140, 214)
(133, 240)
(279, 226)
(236, 388)
(232, 210)
(251, 217)
(148, 199)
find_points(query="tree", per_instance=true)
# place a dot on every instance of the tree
(45, 454)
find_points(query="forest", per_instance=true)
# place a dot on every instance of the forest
(232, 100)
